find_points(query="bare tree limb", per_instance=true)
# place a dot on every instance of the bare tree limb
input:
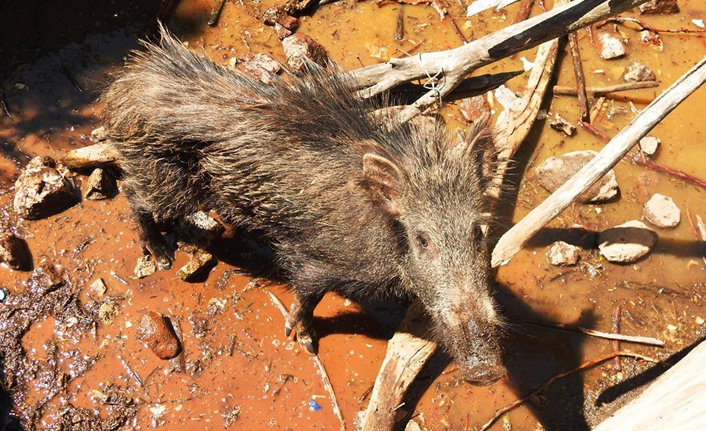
(457, 63)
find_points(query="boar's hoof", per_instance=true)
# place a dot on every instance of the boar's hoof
(160, 251)
(305, 335)
(306, 343)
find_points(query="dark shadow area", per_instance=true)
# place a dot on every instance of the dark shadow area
(8, 422)
(614, 392)
(587, 239)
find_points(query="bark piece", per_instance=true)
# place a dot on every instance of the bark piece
(563, 125)
(14, 251)
(563, 254)
(638, 72)
(555, 171)
(627, 242)
(661, 211)
(299, 49)
(659, 7)
(41, 191)
(157, 333)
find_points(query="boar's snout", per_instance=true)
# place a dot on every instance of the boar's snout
(484, 372)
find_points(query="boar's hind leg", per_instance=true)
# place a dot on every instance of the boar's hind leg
(151, 239)
(300, 320)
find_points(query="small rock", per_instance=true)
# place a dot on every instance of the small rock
(650, 38)
(3, 294)
(145, 267)
(638, 72)
(627, 242)
(108, 311)
(610, 45)
(473, 108)
(100, 185)
(99, 287)
(659, 7)
(262, 67)
(99, 135)
(661, 211)
(200, 262)
(156, 332)
(563, 254)
(14, 251)
(300, 50)
(563, 125)
(282, 31)
(41, 191)
(202, 229)
(555, 171)
(649, 145)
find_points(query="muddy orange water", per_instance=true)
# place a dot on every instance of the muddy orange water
(239, 369)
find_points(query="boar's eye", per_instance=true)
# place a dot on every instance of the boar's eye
(422, 241)
(477, 234)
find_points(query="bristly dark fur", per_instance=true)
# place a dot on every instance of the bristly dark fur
(287, 159)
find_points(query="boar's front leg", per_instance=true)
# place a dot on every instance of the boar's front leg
(300, 319)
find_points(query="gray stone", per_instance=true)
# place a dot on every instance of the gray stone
(638, 72)
(661, 211)
(200, 262)
(649, 145)
(610, 45)
(563, 254)
(41, 191)
(145, 267)
(555, 171)
(14, 251)
(627, 242)
(100, 185)
(300, 49)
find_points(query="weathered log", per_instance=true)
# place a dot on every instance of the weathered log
(513, 240)
(407, 353)
(675, 401)
(560, 90)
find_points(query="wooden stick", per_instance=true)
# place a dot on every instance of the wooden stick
(592, 332)
(457, 63)
(546, 384)
(560, 90)
(639, 159)
(399, 30)
(524, 12)
(580, 79)
(674, 402)
(615, 320)
(324, 375)
(513, 240)
(644, 26)
(407, 353)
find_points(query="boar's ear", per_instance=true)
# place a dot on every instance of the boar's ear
(382, 179)
(480, 150)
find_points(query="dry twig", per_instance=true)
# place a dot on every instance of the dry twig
(322, 371)
(650, 341)
(580, 79)
(546, 384)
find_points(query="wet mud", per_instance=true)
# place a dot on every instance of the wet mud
(69, 353)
